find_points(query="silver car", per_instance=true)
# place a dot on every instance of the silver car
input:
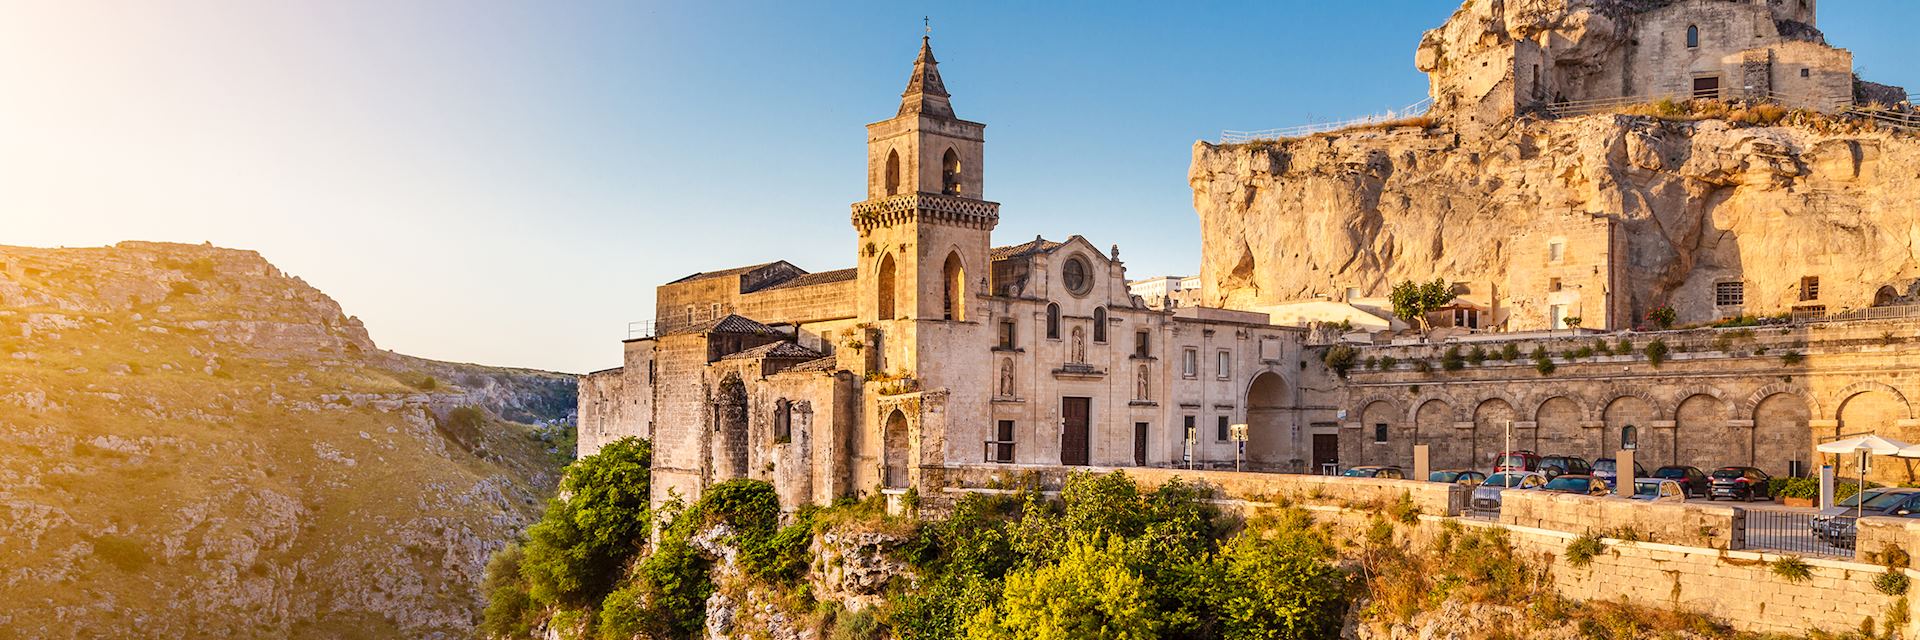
(1486, 497)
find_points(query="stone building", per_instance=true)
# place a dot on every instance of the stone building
(940, 352)
(1494, 59)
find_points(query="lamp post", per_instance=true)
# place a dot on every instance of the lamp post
(1238, 434)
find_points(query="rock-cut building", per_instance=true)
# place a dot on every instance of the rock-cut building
(940, 354)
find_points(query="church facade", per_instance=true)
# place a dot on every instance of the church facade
(940, 353)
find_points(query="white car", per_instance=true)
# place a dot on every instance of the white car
(1486, 497)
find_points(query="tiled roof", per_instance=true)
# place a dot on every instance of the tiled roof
(775, 350)
(828, 363)
(1037, 245)
(730, 323)
(717, 274)
(824, 277)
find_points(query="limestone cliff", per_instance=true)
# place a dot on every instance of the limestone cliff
(1671, 206)
(194, 444)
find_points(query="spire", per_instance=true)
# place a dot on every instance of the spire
(925, 93)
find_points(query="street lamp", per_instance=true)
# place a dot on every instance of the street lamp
(1238, 434)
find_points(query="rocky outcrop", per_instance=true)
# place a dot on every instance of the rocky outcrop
(1689, 204)
(854, 566)
(195, 444)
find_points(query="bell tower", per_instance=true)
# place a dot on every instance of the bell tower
(924, 227)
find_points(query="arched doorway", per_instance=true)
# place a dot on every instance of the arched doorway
(1268, 438)
(1876, 412)
(1556, 428)
(1781, 434)
(1433, 426)
(1701, 437)
(1623, 412)
(1489, 433)
(897, 454)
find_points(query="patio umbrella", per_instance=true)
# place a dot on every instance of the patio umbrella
(1868, 444)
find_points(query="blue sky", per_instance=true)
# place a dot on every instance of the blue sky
(505, 183)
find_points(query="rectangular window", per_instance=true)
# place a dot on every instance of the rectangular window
(1001, 449)
(1809, 288)
(1380, 433)
(1557, 316)
(1222, 428)
(1729, 294)
(1190, 363)
(1222, 364)
(1556, 251)
(1141, 343)
(1553, 284)
(1006, 333)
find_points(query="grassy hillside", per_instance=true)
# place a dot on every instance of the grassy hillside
(193, 444)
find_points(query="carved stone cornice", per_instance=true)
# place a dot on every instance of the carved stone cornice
(925, 207)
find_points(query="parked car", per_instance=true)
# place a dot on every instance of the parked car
(1658, 490)
(1466, 477)
(1692, 479)
(1837, 529)
(1555, 466)
(1486, 497)
(1577, 483)
(1604, 469)
(1376, 472)
(1739, 483)
(1516, 461)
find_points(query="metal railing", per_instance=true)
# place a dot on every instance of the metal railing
(1804, 316)
(997, 451)
(1797, 532)
(1841, 106)
(642, 329)
(1414, 110)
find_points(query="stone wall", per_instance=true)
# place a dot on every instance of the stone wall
(1430, 497)
(1876, 535)
(1683, 523)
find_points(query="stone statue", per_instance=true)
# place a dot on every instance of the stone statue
(1079, 355)
(1006, 378)
(1141, 394)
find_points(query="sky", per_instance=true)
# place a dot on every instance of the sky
(506, 182)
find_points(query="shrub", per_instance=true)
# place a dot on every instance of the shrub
(1387, 363)
(1656, 352)
(1601, 347)
(1090, 593)
(1340, 358)
(1404, 510)
(1278, 588)
(573, 552)
(1510, 352)
(1623, 347)
(1477, 355)
(1543, 362)
(1582, 550)
(1792, 569)
(1893, 582)
(509, 612)
(1792, 358)
(1372, 363)
(1422, 366)
(1452, 360)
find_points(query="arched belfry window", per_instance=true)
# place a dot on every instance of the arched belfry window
(1099, 324)
(893, 173)
(1053, 321)
(1693, 36)
(953, 288)
(950, 174)
(883, 289)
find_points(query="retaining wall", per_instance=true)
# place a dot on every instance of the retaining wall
(1682, 523)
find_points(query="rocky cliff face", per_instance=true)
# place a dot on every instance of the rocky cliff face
(1690, 203)
(194, 444)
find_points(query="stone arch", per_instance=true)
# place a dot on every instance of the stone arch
(1702, 434)
(1781, 434)
(1381, 411)
(1413, 408)
(953, 288)
(1432, 419)
(893, 172)
(950, 173)
(895, 462)
(1886, 295)
(1490, 419)
(1267, 433)
(1100, 324)
(1558, 426)
(1697, 389)
(1851, 391)
(884, 289)
(1627, 409)
(1579, 405)
(1053, 320)
(1752, 403)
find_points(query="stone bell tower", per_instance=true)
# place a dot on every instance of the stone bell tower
(924, 229)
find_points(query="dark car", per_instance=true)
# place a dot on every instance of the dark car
(1838, 529)
(1554, 466)
(1577, 483)
(1462, 477)
(1376, 472)
(1739, 483)
(1604, 470)
(1516, 461)
(1692, 479)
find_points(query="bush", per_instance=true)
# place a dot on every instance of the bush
(1372, 363)
(1792, 569)
(1582, 550)
(1477, 355)
(1387, 363)
(1510, 352)
(509, 612)
(1656, 352)
(1452, 360)
(1422, 366)
(574, 551)
(1893, 582)
(1278, 588)
(1404, 510)
(1543, 362)
(1792, 358)
(1340, 358)
(1623, 347)
(1662, 317)
(1601, 347)
(1090, 593)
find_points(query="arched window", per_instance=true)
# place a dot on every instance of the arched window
(893, 173)
(782, 421)
(1629, 437)
(1099, 324)
(1693, 36)
(883, 289)
(954, 288)
(950, 174)
(1053, 321)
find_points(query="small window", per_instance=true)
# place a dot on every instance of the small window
(1809, 288)
(1141, 343)
(1222, 364)
(1053, 321)
(1553, 284)
(1806, 73)
(714, 310)
(1075, 274)
(782, 421)
(1729, 294)
(1693, 37)
(1222, 429)
(1190, 363)
(1006, 333)
(1556, 251)
(1380, 433)
(1100, 324)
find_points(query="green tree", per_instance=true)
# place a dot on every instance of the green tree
(1412, 301)
(577, 547)
(1279, 587)
(1090, 593)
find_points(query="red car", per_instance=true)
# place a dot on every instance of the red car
(1517, 461)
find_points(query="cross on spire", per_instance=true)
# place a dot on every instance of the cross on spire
(925, 92)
